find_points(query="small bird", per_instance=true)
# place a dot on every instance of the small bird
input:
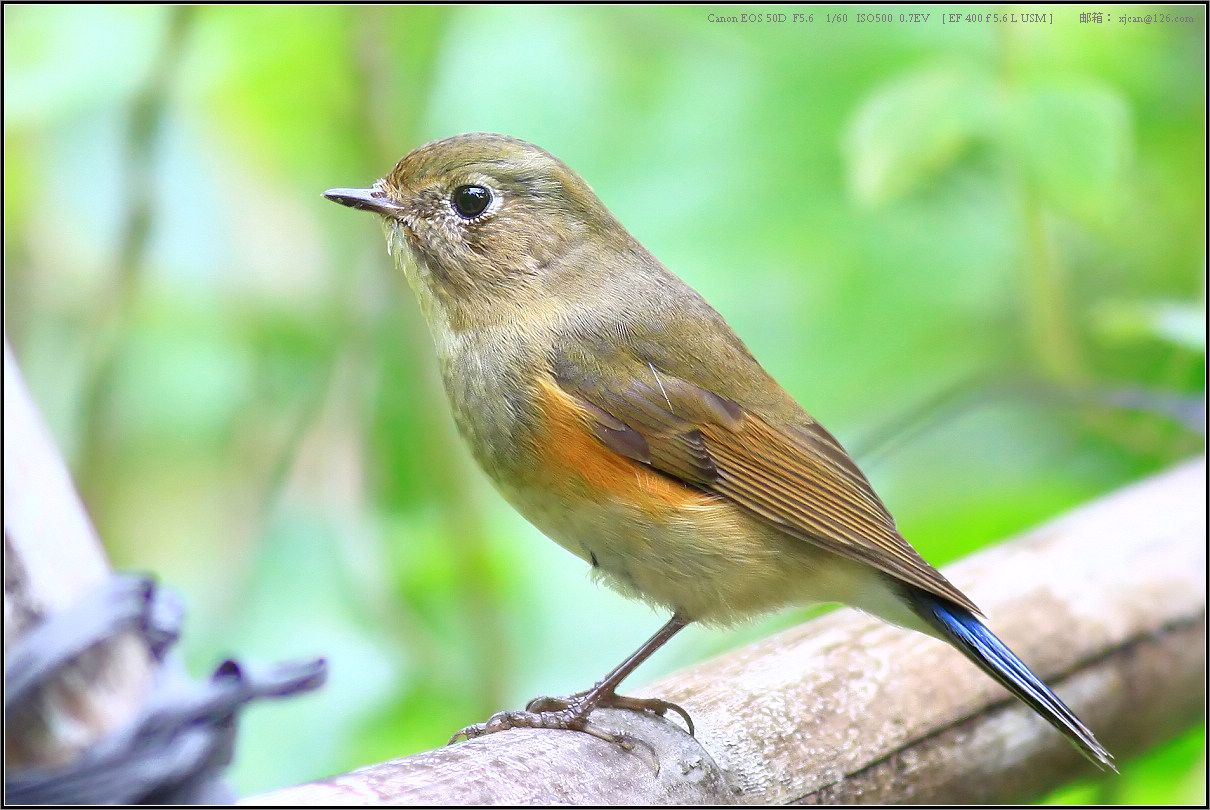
(621, 415)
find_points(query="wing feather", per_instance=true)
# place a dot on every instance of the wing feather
(800, 480)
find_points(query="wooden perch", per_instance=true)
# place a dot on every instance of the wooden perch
(1108, 603)
(52, 559)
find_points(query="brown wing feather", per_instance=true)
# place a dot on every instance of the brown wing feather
(800, 480)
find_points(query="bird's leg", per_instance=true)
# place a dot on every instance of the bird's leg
(571, 713)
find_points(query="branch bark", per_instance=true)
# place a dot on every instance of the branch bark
(1107, 603)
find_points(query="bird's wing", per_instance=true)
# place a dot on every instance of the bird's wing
(798, 478)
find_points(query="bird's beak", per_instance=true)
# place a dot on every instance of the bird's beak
(365, 199)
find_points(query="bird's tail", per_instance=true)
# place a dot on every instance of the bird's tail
(964, 630)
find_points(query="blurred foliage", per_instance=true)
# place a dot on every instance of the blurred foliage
(1013, 214)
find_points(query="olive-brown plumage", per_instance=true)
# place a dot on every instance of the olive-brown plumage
(616, 410)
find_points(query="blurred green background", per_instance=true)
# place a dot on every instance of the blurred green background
(964, 247)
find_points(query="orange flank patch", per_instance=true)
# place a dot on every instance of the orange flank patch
(572, 452)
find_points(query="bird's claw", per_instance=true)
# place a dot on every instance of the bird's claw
(612, 701)
(571, 714)
(654, 705)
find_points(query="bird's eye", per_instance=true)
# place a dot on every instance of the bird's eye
(471, 201)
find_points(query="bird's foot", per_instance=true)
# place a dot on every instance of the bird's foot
(611, 700)
(571, 714)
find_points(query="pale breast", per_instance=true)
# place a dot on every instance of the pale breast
(490, 391)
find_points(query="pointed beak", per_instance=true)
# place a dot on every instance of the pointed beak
(365, 199)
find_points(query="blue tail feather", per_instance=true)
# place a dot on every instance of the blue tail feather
(966, 631)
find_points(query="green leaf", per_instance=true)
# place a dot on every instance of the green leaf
(1182, 323)
(1073, 143)
(913, 128)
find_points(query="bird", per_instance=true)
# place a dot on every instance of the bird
(621, 415)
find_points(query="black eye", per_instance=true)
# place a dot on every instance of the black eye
(471, 201)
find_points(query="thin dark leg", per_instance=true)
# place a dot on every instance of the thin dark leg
(615, 678)
(571, 713)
